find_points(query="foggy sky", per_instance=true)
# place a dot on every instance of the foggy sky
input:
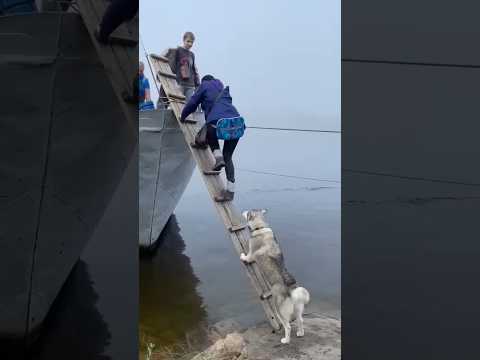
(281, 60)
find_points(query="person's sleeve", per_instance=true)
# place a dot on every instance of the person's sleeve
(196, 77)
(193, 103)
(147, 84)
(173, 61)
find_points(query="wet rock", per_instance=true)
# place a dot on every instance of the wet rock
(322, 341)
(223, 328)
(232, 347)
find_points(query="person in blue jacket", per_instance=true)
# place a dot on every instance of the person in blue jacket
(144, 101)
(216, 103)
(143, 84)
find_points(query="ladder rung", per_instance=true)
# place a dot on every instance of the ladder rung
(211, 172)
(236, 227)
(161, 58)
(195, 146)
(177, 96)
(123, 40)
(166, 74)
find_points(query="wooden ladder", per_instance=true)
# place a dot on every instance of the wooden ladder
(120, 61)
(231, 217)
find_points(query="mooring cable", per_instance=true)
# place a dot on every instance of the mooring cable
(289, 176)
(295, 129)
(148, 61)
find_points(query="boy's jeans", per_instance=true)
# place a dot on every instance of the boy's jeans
(188, 91)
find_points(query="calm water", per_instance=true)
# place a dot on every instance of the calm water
(195, 277)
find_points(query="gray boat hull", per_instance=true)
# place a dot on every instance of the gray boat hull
(63, 151)
(166, 166)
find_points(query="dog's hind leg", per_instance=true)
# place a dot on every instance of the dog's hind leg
(288, 329)
(299, 316)
(286, 326)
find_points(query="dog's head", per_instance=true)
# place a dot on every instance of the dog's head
(255, 219)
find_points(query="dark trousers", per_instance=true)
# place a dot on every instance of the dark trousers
(228, 149)
(117, 12)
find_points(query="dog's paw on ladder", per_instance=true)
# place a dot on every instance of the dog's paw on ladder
(265, 296)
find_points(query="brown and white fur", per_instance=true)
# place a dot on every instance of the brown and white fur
(264, 249)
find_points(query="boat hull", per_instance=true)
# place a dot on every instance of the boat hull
(64, 147)
(166, 166)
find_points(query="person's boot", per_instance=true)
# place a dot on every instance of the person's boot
(224, 195)
(219, 162)
(228, 194)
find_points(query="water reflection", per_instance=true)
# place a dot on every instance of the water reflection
(170, 305)
(74, 328)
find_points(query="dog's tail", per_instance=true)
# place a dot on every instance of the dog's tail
(300, 295)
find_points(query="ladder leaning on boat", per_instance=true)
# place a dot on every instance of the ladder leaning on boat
(231, 217)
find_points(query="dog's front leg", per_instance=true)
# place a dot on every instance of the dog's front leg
(249, 257)
(246, 258)
(266, 295)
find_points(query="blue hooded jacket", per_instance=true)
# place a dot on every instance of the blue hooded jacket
(205, 96)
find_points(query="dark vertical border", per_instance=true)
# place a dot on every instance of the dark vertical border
(411, 180)
(69, 192)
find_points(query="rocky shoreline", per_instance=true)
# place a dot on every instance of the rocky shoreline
(322, 341)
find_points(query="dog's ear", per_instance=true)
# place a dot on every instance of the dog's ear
(245, 214)
(264, 211)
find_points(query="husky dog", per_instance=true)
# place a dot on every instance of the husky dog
(264, 249)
